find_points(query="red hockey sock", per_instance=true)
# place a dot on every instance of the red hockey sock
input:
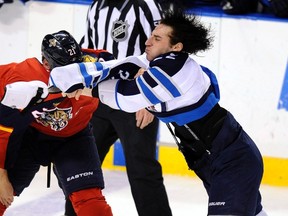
(90, 202)
(2, 209)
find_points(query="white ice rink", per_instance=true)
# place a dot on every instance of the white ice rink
(186, 196)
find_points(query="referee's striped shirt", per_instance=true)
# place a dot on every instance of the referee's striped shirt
(120, 26)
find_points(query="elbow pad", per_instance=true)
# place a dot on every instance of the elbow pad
(18, 95)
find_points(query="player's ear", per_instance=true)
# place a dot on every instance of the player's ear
(45, 64)
(178, 47)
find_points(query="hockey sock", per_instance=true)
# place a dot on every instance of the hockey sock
(2, 209)
(90, 202)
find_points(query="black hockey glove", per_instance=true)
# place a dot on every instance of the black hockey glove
(279, 8)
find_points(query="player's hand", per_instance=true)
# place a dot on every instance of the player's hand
(6, 189)
(139, 73)
(76, 94)
(143, 118)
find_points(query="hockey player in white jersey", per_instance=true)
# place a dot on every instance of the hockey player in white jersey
(185, 96)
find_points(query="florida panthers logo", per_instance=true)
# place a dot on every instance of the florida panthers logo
(119, 30)
(56, 118)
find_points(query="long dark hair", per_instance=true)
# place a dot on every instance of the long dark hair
(188, 30)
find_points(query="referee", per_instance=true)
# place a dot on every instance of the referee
(122, 28)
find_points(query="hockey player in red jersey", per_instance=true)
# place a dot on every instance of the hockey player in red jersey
(37, 128)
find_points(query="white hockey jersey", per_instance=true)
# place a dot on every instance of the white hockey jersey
(174, 87)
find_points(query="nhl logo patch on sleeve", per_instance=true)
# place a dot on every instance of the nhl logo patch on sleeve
(119, 30)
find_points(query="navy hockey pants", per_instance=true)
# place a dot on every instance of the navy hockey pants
(75, 160)
(232, 173)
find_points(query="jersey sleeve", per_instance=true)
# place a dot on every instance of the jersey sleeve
(71, 77)
(173, 81)
(12, 120)
(150, 15)
(5, 133)
(86, 40)
(12, 123)
(159, 83)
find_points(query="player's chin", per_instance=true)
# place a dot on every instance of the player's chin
(148, 56)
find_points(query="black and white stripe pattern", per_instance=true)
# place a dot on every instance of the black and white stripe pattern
(120, 26)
